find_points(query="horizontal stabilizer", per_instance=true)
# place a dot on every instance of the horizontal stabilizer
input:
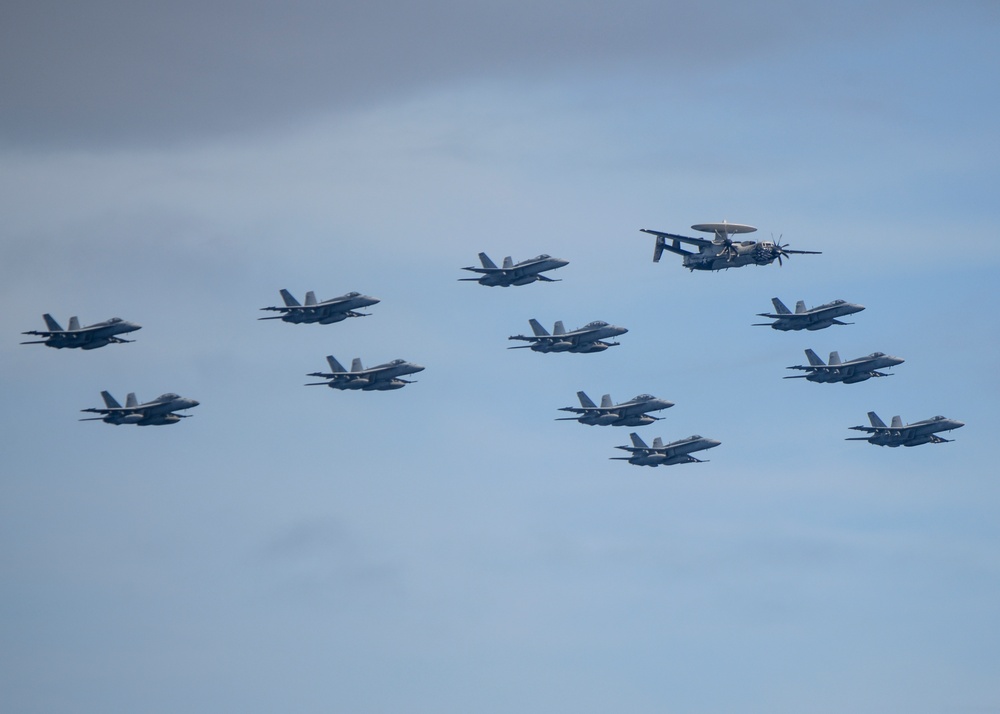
(289, 299)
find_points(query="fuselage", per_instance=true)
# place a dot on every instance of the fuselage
(815, 318)
(329, 311)
(921, 432)
(523, 273)
(677, 452)
(92, 336)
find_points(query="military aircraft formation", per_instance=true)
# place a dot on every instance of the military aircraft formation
(718, 253)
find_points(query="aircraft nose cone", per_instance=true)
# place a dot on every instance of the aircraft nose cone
(957, 423)
(417, 367)
(193, 402)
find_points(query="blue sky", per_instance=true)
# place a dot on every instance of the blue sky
(450, 546)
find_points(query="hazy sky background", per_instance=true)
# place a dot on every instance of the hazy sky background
(450, 547)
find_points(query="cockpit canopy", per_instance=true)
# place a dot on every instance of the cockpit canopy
(169, 396)
(643, 398)
(596, 323)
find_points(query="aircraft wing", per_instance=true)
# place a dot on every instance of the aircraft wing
(686, 239)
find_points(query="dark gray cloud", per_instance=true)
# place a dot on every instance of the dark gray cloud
(112, 72)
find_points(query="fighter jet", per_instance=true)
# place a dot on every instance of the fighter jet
(855, 370)
(896, 434)
(585, 339)
(527, 271)
(158, 412)
(676, 452)
(634, 412)
(380, 378)
(88, 338)
(325, 313)
(815, 318)
(721, 253)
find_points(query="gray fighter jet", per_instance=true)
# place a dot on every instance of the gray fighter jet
(325, 313)
(585, 339)
(380, 378)
(660, 454)
(855, 370)
(815, 318)
(88, 338)
(634, 412)
(898, 434)
(158, 412)
(721, 252)
(527, 271)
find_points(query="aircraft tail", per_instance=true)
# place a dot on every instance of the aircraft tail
(637, 441)
(779, 307)
(835, 357)
(897, 423)
(585, 401)
(814, 359)
(131, 401)
(289, 299)
(74, 323)
(800, 307)
(874, 419)
(109, 401)
(558, 328)
(508, 263)
(356, 365)
(335, 366)
(310, 298)
(487, 263)
(606, 401)
(658, 443)
(51, 323)
(661, 243)
(537, 328)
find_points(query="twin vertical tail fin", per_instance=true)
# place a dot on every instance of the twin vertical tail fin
(109, 401)
(897, 423)
(537, 328)
(289, 299)
(779, 307)
(335, 366)
(508, 263)
(310, 298)
(814, 359)
(835, 357)
(606, 401)
(51, 323)
(800, 307)
(74, 323)
(558, 328)
(356, 365)
(487, 263)
(585, 401)
(637, 441)
(658, 443)
(130, 400)
(874, 419)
